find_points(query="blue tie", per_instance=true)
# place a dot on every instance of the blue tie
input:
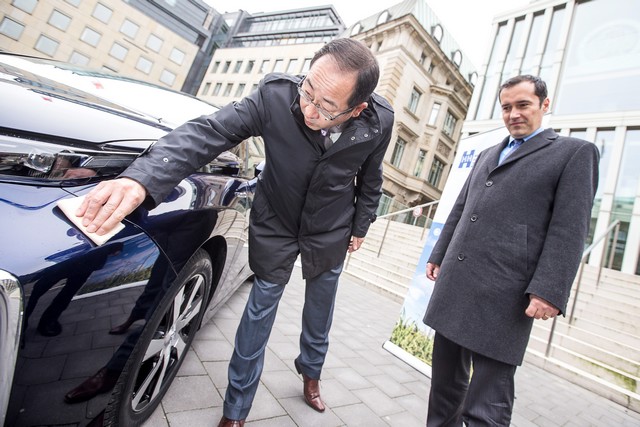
(511, 147)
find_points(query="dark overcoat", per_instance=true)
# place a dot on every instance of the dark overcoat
(308, 200)
(516, 229)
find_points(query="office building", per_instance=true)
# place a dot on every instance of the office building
(588, 52)
(158, 42)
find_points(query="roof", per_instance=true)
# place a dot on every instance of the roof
(429, 21)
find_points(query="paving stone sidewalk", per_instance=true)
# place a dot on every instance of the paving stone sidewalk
(362, 383)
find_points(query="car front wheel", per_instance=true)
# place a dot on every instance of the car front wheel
(162, 346)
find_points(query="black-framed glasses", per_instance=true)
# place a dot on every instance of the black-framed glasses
(327, 115)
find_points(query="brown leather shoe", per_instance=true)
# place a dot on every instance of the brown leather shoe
(226, 422)
(101, 382)
(311, 390)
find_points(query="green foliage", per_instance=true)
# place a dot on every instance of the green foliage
(407, 336)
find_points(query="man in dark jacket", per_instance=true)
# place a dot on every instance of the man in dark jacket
(507, 254)
(325, 137)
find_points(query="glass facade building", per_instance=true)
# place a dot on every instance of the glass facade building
(588, 52)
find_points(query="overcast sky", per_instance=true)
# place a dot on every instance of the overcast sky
(468, 21)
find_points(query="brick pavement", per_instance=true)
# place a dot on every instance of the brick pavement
(362, 384)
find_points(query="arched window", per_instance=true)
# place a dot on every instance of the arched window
(384, 17)
(437, 32)
(457, 58)
(473, 78)
(356, 29)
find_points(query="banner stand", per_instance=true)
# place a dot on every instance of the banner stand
(408, 358)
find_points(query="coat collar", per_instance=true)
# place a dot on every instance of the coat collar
(360, 129)
(532, 145)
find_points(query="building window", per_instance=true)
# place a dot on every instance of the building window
(216, 89)
(457, 58)
(129, 29)
(433, 118)
(206, 88)
(239, 90)
(436, 172)
(144, 65)
(529, 61)
(417, 171)
(449, 124)
(215, 66)
(553, 40)
(102, 13)
(383, 17)
(264, 68)
(26, 5)
(59, 20)
(254, 87)
(356, 29)
(118, 51)
(177, 56)
(306, 65)
(238, 67)
(293, 66)
(473, 78)
(46, 45)
(414, 100)
(226, 66)
(91, 37)
(75, 3)
(154, 43)
(398, 151)
(423, 59)
(249, 68)
(606, 44)
(78, 58)
(227, 89)
(488, 99)
(437, 32)
(11, 28)
(278, 67)
(167, 77)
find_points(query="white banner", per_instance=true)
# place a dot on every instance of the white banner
(411, 340)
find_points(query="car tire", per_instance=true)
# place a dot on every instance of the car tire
(163, 345)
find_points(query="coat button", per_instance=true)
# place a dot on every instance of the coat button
(166, 160)
(489, 183)
(375, 131)
(353, 138)
(366, 135)
(474, 218)
(460, 256)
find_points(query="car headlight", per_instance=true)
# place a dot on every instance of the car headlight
(53, 162)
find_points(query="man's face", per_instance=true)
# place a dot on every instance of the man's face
(521, 109)
(330, 89)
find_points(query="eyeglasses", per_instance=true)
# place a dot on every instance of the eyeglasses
(327, 116)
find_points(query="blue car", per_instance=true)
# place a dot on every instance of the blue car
(94, 334)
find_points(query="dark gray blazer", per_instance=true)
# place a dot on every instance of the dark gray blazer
(515, 229)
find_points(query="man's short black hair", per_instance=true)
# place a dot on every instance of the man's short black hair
(540, 87)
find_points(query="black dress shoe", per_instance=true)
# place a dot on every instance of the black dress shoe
(122, 328)
(311, 390)
(103, 381)
(226, 422)
(49, 329)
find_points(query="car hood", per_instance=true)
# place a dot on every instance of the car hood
(62, 111)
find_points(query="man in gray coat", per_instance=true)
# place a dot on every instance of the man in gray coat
(507, 254)
(325, 137)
